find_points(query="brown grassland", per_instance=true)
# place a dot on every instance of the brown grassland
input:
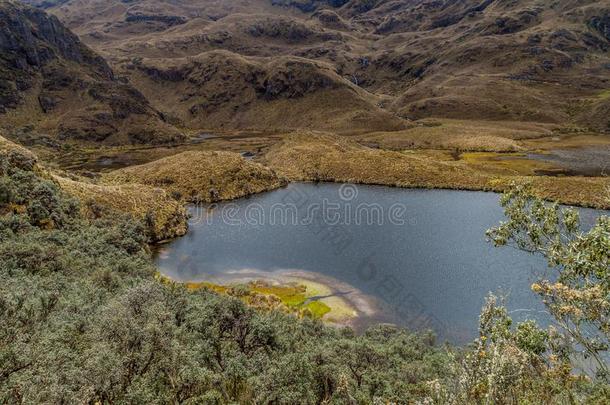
(212, 170)
(322, 157)
(165, 217)
(202, 176)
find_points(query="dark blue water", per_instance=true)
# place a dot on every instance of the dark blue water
(421, 254)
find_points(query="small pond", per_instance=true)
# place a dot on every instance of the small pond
(587, 161)
(417, 258)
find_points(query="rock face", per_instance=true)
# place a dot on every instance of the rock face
(29, 41)
(31, 38)
(601, 24)
(51, 79)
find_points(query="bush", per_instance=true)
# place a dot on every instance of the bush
(83, 320)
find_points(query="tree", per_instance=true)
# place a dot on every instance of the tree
(578, 294)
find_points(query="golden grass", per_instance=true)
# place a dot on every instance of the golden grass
(7, 147)
(592, 192)
(322, 157)
(166, 217)
(202, 176)
(494, 136)
(506, 163)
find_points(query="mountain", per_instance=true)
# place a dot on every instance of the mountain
(53, 84)
(355, 66)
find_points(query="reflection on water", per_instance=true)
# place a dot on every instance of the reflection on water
(419, 256)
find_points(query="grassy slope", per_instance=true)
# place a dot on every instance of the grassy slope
(509, 61)
(83, 320)
(320, 157)
(202, 176)
(164, 216)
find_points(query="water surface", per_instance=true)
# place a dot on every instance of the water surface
(420, 255)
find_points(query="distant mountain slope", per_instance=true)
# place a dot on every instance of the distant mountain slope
(229, 91)
(52, 83)
(394, 59)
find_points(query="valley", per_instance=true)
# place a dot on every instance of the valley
(426, 87)
(363, 160)
(304, 201)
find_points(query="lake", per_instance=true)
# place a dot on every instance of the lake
(417, 258)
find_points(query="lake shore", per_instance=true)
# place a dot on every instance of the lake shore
(301, 292)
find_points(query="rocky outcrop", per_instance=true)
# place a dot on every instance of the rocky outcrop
(601, 24)
(29, 41)
(288, 30)
(308, 6)
(331, 19)
(295, 79)
(168, 20)
(43, 59)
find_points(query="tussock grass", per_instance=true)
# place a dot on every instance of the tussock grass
(165, 217)
(592, 192)
(492, 136)
(201, 176)
(7, 147)
(322, 157)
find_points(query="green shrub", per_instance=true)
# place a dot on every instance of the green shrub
(83, 320)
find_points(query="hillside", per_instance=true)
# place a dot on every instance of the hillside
(221, 89)
(122, 121)
(164, 217)
(53, 85)
(202, 176)
(85, 317)
(280, 64)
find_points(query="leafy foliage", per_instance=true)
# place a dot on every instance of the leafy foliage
(83, 319)
(578, 296)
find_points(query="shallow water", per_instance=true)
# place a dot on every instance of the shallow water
(419, 257)
(587, 161)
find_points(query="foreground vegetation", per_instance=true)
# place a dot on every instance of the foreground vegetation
(83, 319)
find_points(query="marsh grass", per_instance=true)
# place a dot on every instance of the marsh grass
(291, 297)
